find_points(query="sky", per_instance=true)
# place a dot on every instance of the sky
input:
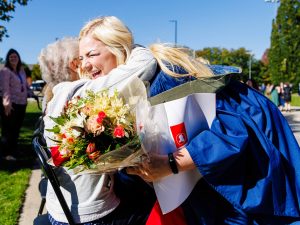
(229, 24)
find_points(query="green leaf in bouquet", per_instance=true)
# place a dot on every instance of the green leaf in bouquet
(60, 120)
(54, 129)
(107, 150)
(75, 161)
(80, 147)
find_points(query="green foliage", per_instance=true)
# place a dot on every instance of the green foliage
(284, 54)
(239, 57)
(6, 7)
(36, 73)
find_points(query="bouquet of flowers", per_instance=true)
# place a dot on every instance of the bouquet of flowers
(95, 133)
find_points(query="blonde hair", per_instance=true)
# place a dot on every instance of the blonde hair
(113, 33)
(119, 40)
(165, 53)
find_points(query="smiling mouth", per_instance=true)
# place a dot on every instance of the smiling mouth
(96, 74)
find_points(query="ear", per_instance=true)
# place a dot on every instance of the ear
(74, 64)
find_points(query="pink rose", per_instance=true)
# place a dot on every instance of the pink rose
(119, 131)
(90, 148)
(92, 126)
(101, 116)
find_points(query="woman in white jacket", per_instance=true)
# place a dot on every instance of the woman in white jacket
(91, 198)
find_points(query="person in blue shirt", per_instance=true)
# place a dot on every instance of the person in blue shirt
(249, 158)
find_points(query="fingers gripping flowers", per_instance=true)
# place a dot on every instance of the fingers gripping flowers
(90, 127)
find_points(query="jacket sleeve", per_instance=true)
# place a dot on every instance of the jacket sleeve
(214, 151)
(141, 64)
(250, 155)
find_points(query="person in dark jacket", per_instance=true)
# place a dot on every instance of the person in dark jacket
(287, 96)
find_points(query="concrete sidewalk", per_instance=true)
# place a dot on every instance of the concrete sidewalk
(33, 198)
(293, 119)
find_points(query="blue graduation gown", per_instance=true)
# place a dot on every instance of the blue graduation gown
(249, 158)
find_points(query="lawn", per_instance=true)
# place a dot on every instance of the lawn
(14, 176)
(295, 100)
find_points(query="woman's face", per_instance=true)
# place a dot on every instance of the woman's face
(96, 59)
(13, 59)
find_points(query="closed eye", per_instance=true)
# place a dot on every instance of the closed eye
(94, 54)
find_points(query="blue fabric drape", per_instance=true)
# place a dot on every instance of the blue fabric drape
(249, 159)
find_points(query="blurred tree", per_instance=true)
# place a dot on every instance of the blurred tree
(284, 54)
(239, 58)
(36, 72)
(6, 7)
(213, 55)
(265, 58)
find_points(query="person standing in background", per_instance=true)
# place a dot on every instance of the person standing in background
(274, 94)
(281, 97)
(13, 94)
(287, 96)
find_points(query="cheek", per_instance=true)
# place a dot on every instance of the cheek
(111, 62)
(97, 61)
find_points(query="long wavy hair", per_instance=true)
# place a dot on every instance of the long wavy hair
(7, 63)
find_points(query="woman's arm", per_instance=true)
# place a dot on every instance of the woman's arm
(155, 167)
(141, 63)
(211, 151)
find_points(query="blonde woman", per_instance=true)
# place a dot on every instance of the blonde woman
(92, 198)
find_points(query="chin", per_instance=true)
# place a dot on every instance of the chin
(100, 75)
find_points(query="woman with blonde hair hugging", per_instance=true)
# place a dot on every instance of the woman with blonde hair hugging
(91, 197)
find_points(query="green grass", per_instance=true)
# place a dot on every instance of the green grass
(295, 100)
(14, 176)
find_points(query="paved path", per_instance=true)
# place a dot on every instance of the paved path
(293, 118)
(33, 198)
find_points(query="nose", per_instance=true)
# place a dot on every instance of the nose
(86, 65)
